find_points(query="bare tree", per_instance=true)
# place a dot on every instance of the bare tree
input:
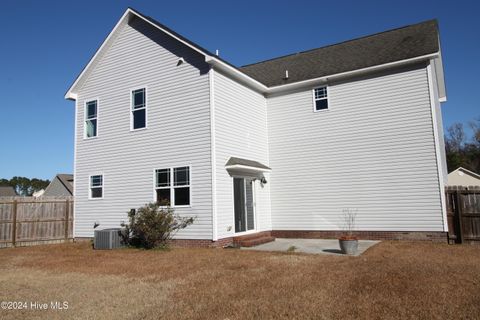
(456, 137)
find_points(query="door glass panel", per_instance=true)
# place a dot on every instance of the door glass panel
(249, 204)
(239, 204)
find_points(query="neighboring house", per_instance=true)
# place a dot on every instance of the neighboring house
(280, 146)
(7, 191)
(38, 193)
(463, 177)
(61, 186)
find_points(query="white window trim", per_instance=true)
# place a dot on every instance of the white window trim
(145, 108)
(172, 187)
(90, 186)
(327, 98)
(85, 118)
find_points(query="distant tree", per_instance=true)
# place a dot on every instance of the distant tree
(460, 151)
(25, 186)
(456, 137)
(475, 125)
(38, 184)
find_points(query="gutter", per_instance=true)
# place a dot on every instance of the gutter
(237, 74)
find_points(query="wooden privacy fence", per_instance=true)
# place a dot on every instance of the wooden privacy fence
(29, 221)
(463, 214)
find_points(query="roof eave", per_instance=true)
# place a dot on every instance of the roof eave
(71, 93)
(476, 175)
(245, 167)
(346, 74)
(235, 73)
(438, 65)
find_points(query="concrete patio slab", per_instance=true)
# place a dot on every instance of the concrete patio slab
(313, 246)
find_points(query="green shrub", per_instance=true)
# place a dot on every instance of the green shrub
(152, 225)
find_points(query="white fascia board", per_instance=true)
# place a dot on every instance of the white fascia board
(242, 167)
(442, 91)
(439, 73)
(71, 95)
(235, 73)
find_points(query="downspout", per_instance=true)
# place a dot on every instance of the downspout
(437, 147)
(211, 78)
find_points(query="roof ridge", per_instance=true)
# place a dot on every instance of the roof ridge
(342, 42)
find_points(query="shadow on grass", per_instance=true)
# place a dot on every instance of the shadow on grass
(337, 251)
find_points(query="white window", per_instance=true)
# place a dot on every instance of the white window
(172, 186)
(320, 98)
(139, 109)
(91, 108)
(96, 187)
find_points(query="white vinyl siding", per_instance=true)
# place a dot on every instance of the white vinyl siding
(240, 131)
(178, 129)
(373, 151)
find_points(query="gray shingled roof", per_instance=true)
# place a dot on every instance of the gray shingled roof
(67, 181)
(7, 191)
(245, 162)
(389, 46)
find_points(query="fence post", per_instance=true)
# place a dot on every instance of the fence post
(459, 209)
(14, 223)
(67, 214)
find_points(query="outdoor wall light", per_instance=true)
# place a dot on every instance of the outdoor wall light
(263, 180)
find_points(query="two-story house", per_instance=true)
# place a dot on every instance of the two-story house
(278, 147)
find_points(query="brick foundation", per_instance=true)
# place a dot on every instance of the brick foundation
(362, 235)
(185, 243)
(366, 235)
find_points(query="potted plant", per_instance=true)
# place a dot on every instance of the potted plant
(348, 242)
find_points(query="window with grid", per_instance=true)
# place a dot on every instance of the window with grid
(91, 119)
(321, 98)
(96, 186)
(172, 186)
(139, 109)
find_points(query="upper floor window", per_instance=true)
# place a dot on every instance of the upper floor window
(96, 186)
(320, 98)
(91, 118)
(139, 109)
(173, 186)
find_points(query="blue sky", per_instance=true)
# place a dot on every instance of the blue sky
(45, 44)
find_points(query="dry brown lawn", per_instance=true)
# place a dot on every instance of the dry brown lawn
(393, 280)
